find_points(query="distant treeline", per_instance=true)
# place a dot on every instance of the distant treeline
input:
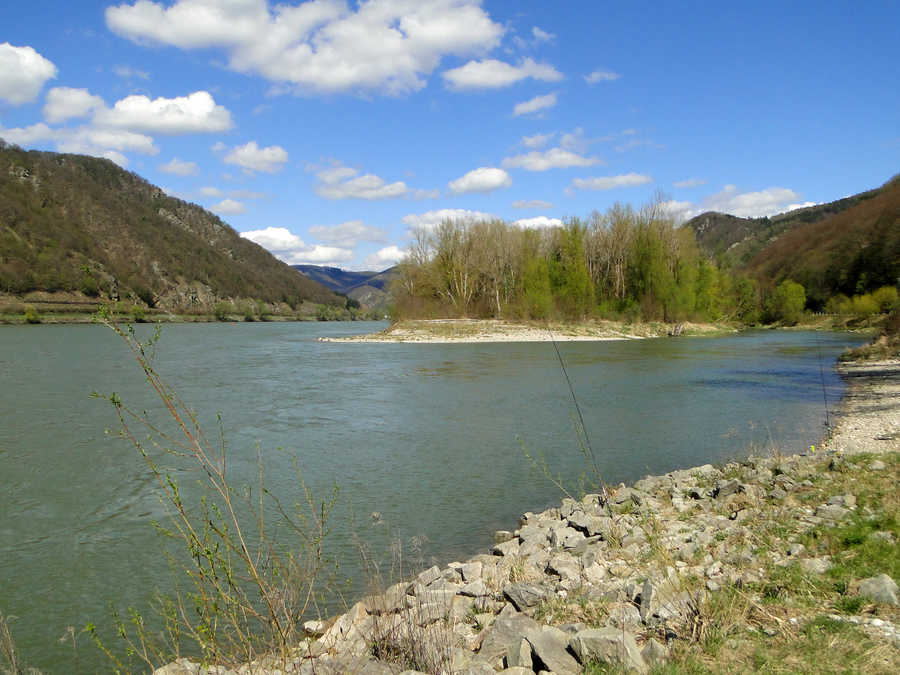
(623, 264)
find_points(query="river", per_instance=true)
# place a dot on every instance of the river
(431, 437)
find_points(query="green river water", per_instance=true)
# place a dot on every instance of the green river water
(432, 437)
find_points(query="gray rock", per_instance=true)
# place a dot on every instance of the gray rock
(507, 548)
(568, 507)
(430, 575)
(504, 636)
(881, 589)
(608, 645)
(580, 521)
(529, 533)
(564, 566)
(647, 592)
(724, 488)
(524, 595)
(521, 657)
(796, 549)
(832, 512)
(502, 535)
(471, 571)
(777, 493)
(550, 647)
(314, 628)
(629, 494)
(816, 565)
(624, 615)
(697, 493)
(654, 652)
(182, 666)
(847, 501)
(475, 589)
(595, 573)
(563, 537)
(877, 465)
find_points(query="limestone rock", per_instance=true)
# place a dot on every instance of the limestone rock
(608, 645)
(880, 588)
(507, 548)
(504, 636)
(524, 595)
(550, 647)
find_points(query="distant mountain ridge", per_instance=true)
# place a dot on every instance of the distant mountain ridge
(83, 224)
(849, 246)
(371, 289)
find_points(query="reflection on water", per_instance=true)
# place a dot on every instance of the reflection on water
(429, 436)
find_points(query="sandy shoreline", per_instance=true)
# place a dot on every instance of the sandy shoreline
(446, 331)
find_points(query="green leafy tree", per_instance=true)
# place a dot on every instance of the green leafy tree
(787, 302)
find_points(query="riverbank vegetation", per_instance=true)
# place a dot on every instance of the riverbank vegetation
(625, 264)
(41, 307)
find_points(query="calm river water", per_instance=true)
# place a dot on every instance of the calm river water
(432, 437)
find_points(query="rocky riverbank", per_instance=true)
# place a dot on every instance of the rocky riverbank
(779, 563)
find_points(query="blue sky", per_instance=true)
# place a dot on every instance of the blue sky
(325, 130)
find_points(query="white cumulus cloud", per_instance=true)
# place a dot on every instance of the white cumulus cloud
(290, 248)
(388, 46)
(680, 211)
(431, 219)
(611, 182)
(228, 207)
(251, 157)
(210, 191)
(554, 158)
(194, 113)
(766, 202)
(84, 140)
(179, 167)
(65, 103)
(384, 258)
(494, 74)
(534, 105)
(23, 73)
(538, 222)
(348, 234)
(337, 181)
(601, 76)
(482, 179)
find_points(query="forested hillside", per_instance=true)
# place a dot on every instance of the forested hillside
(853, 252)
(82, 224)
(846, 247)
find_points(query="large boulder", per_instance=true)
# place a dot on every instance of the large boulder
(608, 645)
(881, 589)
(550, 650)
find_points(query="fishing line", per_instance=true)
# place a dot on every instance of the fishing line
(822, 377)
(584, 431)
